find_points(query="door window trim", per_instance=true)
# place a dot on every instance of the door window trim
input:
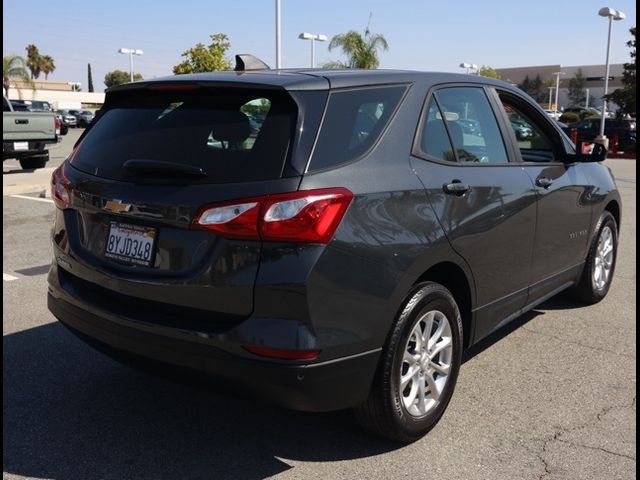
(514, 159)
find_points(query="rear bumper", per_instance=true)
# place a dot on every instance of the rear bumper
(325, 386)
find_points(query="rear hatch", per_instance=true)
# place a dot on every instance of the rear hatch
(154, 158)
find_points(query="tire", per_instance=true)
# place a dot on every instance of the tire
(35, 161)
(588, 289)
(385, 412)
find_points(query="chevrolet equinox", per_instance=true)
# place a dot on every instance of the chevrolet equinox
(324, 239)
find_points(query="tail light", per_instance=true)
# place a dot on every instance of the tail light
(58, 124)
(309, 216)
(60, 188)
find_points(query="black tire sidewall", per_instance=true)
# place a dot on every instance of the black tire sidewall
(427, 297)
(606, 220)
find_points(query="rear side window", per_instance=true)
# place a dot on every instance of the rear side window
(472, 125)
(353, 122)
(233, 135)
(435, 139)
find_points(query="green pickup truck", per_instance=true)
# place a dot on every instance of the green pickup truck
(25, 135)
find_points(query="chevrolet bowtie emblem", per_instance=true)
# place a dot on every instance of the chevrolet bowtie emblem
(116, 206)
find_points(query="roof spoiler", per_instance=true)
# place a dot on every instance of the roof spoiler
(245, 62)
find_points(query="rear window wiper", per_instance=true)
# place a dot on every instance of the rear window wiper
(159, 167)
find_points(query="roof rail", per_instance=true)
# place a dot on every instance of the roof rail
(245, 62)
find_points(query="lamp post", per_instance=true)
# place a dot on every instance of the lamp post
(612, 15)
(586, 101)
(131, 52)
(557, 74)
(550, 93)
(313, 37)
(278, 43)
(469, 66)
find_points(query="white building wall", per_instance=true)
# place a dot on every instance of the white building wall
(59, 99)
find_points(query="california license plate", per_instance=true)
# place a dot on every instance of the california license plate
(131, 244)
(18, 146)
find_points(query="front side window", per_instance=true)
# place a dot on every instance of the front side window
(472, 125)
(534, 144)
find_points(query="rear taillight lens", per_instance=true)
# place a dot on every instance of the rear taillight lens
(57, 125)
(310, 216)
(233, 219)
(60, 188)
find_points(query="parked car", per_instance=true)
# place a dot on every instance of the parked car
(76, 114)
(64, 129)
(553, 114)
(67, 118)
(84, 118)
(620, 132)
(25, 135)
(349, 263)
(582, 111)
(33, 105)
(521, 128)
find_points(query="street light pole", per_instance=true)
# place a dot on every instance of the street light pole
(550, 93)
(612, 15)
(278, 43)
(586, 102)
(557, 74)
(313, 37)
(131, 52)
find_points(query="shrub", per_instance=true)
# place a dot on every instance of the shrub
(569, 117)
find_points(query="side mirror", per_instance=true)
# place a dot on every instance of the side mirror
(587, 152)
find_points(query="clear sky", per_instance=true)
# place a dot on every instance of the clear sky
(422, 34)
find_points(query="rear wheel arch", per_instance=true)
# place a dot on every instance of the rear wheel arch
(455, 279)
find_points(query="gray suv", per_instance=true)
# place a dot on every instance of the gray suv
(343, 252)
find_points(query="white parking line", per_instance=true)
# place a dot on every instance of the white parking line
(37, 199)
(8, 278)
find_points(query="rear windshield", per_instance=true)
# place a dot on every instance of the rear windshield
(353, 122)
(232, 135)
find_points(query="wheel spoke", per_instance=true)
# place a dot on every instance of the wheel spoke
(428, 325)
(437, 334)
(410, 358)
(440, 346)
(435, 393)
(441, 369)
(411, 374)
(422, 396)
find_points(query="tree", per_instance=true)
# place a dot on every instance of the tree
(625, 97)
(34, 60)
(534, 88)
(361, 50)
(203, 58)
(47, 65)
(118, 77)
(487, 71)
(89, 78)
(577, 94)
(13, 68)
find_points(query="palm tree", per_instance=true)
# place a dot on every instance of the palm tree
(13, 68)
(34, 60)
(361, 51)
(48, 66)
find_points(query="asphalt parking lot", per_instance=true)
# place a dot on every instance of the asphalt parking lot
(552, 396)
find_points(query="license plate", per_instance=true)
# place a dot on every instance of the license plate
(131, 244)
(20, 146)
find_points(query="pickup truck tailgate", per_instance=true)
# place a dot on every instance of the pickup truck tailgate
(25, 126)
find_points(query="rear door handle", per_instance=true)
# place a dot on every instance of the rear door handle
(544, 182)
(456, 187)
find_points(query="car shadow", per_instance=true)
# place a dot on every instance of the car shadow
(72, 413)
(561, 301)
